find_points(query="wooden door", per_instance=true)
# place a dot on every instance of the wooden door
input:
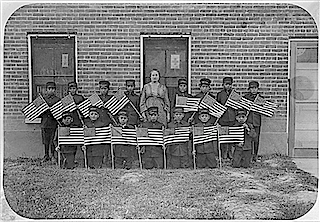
(303, 104)
(52, 59)
(170, 57)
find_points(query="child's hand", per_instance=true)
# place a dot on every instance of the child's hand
(193, 152)
(240, 144)
(83, 148)
(58, 148)
(246, 126)
(190, 120)
(143, 150)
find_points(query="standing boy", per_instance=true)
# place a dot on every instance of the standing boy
(205, 152)
(73, 91)
(67, 151)
(178, 153)
(48, 122)
(254, 118)
(134, 98)
(124, 154)
(243, 151)
(181, 91)
(152, 155)
(229, 117)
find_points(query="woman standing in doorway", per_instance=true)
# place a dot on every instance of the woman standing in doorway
(155, 94)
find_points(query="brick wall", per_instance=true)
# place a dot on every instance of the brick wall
(246, 41)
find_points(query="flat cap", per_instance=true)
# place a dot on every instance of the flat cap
(93, 109)
(182, 81)
(152, 109)
(72, 84)
(130, 82)
(51, 84)
(203, 111)
(241, 112)
(205, 81)
(66, 114)
(253, 84)
(177, 110)
(227, 80)
(104, 83)
(123, 112)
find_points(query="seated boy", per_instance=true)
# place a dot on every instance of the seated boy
(178, 152)
(152, 155)
(67, 151)
(243, 151)
(205, 152)
(124, 154)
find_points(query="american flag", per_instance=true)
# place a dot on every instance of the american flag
(65, 104)
(93, 100)
(204, 134)
(147, 136)
(120, 135)
(188, 104)
(99, 135)
(116, 102)
(215, 108)
(70, 136)
(260, 105)
(176, 135)
(231, 134)
(35, 108)
(236, 101)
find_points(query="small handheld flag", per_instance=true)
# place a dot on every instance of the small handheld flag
(264, 107)
(236, 101)
(215, 108)
(188, 104)
(65, 104)
(93, 100)
(35, 108)
(116, 102)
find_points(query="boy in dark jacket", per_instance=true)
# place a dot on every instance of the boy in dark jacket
(205, 152)
(134, 98)
(242, 152)
(152, 155)
(72, 90)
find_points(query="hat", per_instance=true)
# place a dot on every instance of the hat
(104, 83)
(66, 114)
(123, 113)
(153, 109)
(93, 109)
(203, 111)
(51, 84)
(227, 80)
(182, 81)
(72, 84)
(205, 81)
(241, 112)
(177, 110)
(253, 84)
(130, 82)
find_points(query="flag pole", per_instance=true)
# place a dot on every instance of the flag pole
(84, 149)
(59, 164)
(164, 154)
(139, 153)
(194, 113)
(135, 108)
(219, 150)
(193, 150)
(111, 149)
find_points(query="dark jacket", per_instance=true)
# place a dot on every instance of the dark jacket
(208, 147)
(178, 149)
(132, 114)
(123, 150)
(75, 114)
(229, 117)
(248, 137)
(153, 151)
(105, 116)
(253, 117)
(47, 119)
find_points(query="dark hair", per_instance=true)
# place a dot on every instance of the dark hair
(156, 71)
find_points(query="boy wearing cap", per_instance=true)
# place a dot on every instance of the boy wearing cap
(124, 154)
(254, 118)
(48, 122)
(242, 152)
(178, 153)
(67, 151)
(205, 152)
(229, 117)
(72, 90)
(135, 100)
(94, 152)
(152, 155)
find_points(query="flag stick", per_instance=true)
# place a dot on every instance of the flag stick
(85, 157)
(80, 117)
(135, 109)
(193, 150)
(112, 156)
(194, 113)
(139, 156)
(58, 151)
(219, 151)
(164, 155)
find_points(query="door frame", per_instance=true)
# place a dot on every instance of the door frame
(290, 99)
(142, 37)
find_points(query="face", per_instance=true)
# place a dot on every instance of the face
(254, 90)
(73, 90)
(154, 76)
(103, 90)
(67, 120)
(204, 117)
(204, 88)
(153, 117)
(182, 88)
(241, 118)
(178, 116)
(227, 86)
(123, 120)
(93, 115)
(51, 90)
(130, 87)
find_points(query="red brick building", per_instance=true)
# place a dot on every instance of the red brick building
(270, 42)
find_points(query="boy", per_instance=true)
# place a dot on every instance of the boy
(254, 118)
(205, 152)
(242, 152)
(134, 98)
(229, 117)
(181, 91)
(124, 154)
(72, 90)
(67, 151)
(178, 153)
(95, 152)
(48, 122)
(152, 155)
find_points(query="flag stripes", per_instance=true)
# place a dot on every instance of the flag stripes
(65, 104)
(150, 137)
(231, 134)
(35, 108)
(74, 137)
(236, 101)
(179, 135)
(114, 105)
(204, 134)
(188, 104)
(123, 136)
(263, 106)
(215, 108)
(102, 135)
(93, 100)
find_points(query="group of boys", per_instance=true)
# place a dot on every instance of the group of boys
(178, 155)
